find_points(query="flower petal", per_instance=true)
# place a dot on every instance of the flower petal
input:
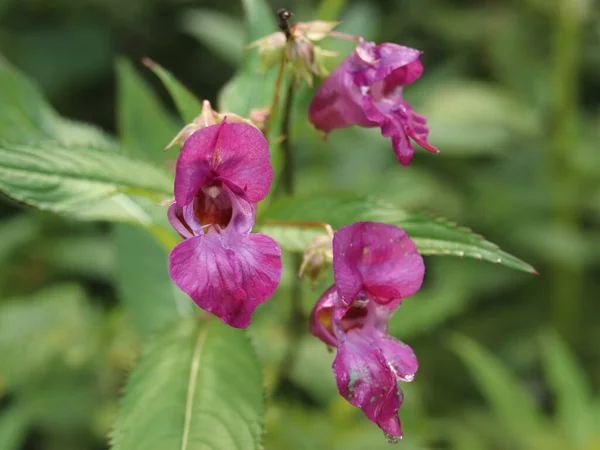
(193, 165)
(367, 369)
(377, 258)
(372, 63)
(322, 316)
(228, 274)
(336, 104)
(244, 161)
(236, 154)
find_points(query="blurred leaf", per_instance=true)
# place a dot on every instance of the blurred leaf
(149, 296)
(196, 386)
(25, 115)
(16, 231)
(571, 390)
(35, 330)
(450, 291)
(188, 105)
(219, 32)
(511, 403)
(143, 123)
(433, 236)
(468, 118)
(251, 87)
(84, 255)
(13, 426)
(81, 181)
(330, 9)
(47, 51)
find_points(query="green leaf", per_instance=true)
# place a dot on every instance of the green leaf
(433, 235)
(56, 323)
(509, 400)
(149, 296)
(84, 182)
(221, 33)
(251, 87)
(13, 426)
(197, 386)
(330, 9)
(25, 115)
(143, 124)
(188, 105)
(571, 390)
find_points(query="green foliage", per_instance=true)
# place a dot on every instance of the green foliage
(84, 182)
(188, 105)
(149, 296)
(433, 236)
(142, 121)
(251, 87)
(219, 32)
(13, 426)
(198, 385)
(56, 324)
(571, 390)
(509, 400)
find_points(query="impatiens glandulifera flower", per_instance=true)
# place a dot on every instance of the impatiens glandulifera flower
(366, 90)
(223, 170)
(375, 266)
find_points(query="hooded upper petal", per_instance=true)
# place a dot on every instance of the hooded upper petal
(378, 259)
(235, 154)
(368, 367)
(228, 274)
(371, 63)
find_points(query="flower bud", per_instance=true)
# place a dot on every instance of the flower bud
(317, 256)
(207, 117)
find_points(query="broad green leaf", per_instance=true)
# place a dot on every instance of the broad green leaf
(84, 182)
(571, 389)
(188, 105)
(143, 123)
(507, 397)
(221, 33)
(251, 87)
(197, 386)
(13, 427)
(433, 235)
(35, 330)
(149, 296)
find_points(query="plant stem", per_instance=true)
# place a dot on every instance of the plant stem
(567, 275)
(297, 320)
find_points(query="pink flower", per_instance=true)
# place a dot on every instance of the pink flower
(222, 171)
(375, 266)
(366, 90)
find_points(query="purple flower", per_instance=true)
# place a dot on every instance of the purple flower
(375, 266)
(366, 90)
(222, 171)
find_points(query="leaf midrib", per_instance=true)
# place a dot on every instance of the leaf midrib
(192, 382)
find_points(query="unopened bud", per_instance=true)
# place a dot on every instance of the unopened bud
(270, 49)
(317, 257)
(207, 117)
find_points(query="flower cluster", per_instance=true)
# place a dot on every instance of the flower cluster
(375, 266)
(223, 171)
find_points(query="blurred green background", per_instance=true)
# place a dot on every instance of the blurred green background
(511, 91)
